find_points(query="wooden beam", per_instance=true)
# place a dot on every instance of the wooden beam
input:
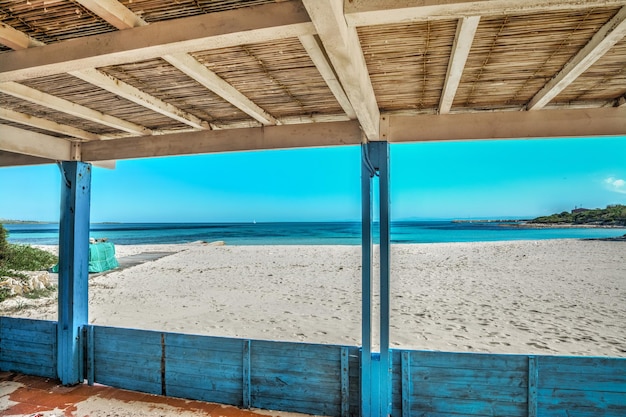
(255, 24)
(16, 39)
(10, 159)
(508, 125)
(44, 124)
(113, 12)
(344, 50)
(199, 72)
(313, 47)
(213, 141)
(604, 39)
(122, 18)
(465, 32)
(112, 84)
(47, 100)
(25, 142)
(384, 12)
(127, 91)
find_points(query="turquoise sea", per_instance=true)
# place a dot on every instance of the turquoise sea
(326, 233)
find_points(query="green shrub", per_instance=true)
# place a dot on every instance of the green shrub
(15, 258)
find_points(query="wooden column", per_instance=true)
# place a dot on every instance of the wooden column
(73, 269)
(375, 366)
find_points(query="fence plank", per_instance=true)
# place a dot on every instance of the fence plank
(296, 377)
(406, 384)
(582, 386)
(247, 385)
(28, 346)
(128, 358)
(533, 376)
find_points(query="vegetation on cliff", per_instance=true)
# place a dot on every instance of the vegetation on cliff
(613, 215)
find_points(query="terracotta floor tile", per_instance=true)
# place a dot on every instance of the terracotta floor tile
(34, 396)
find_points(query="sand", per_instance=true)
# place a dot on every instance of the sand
(556, 297)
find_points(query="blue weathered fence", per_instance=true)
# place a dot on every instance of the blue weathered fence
(472, 384)
(305, 378)
(28, 346)
(324, 379)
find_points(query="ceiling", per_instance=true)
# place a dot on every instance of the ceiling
(101, 80)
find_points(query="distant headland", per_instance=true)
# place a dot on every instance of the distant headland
(611, 216)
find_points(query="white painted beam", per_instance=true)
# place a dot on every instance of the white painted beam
(199, 72)
(255, 24)
(465, 32)
(109, 83)
(47, 100)
(344, 50)
(45, 124)
(113, 12)
(127, 91)
(122, 18)
(16, 39)
(25, 142)
(604, 39)
(320, 60)
(609, 121)
(383, 12)
(230, 140)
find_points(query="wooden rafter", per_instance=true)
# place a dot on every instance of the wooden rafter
(130, 93)
(465, 32)
(344, 50)
(47, 100)
(123, 18)
(604, 39)
(382, 12)
(320, 59)
(109, 83)
(45, 124)
(199, 72)
(114, 13)
(219, 30)
(25, 142)
(15, 39)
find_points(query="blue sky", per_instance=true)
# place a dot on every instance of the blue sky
(480, 179)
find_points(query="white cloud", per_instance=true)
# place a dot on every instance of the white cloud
(616, 184)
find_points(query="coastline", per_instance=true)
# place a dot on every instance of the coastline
(535, 297)
(529, 225)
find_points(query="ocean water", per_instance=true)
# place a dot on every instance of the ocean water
(327, 233)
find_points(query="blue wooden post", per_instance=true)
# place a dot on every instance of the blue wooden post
(73, 269)
(375, 367)
(367, 173)
(385, 233)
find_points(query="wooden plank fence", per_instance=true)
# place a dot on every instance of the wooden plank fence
(28, 346)
(296, 377)
(324, 379)
(438, 384)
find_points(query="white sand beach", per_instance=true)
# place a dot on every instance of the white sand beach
(541, 297)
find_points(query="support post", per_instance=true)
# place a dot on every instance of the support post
(385, 241)
(375, 367)
(73, 269)
(367, 173)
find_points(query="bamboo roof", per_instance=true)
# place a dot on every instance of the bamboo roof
(99, 80)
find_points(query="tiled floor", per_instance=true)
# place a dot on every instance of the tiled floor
(22, 395)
